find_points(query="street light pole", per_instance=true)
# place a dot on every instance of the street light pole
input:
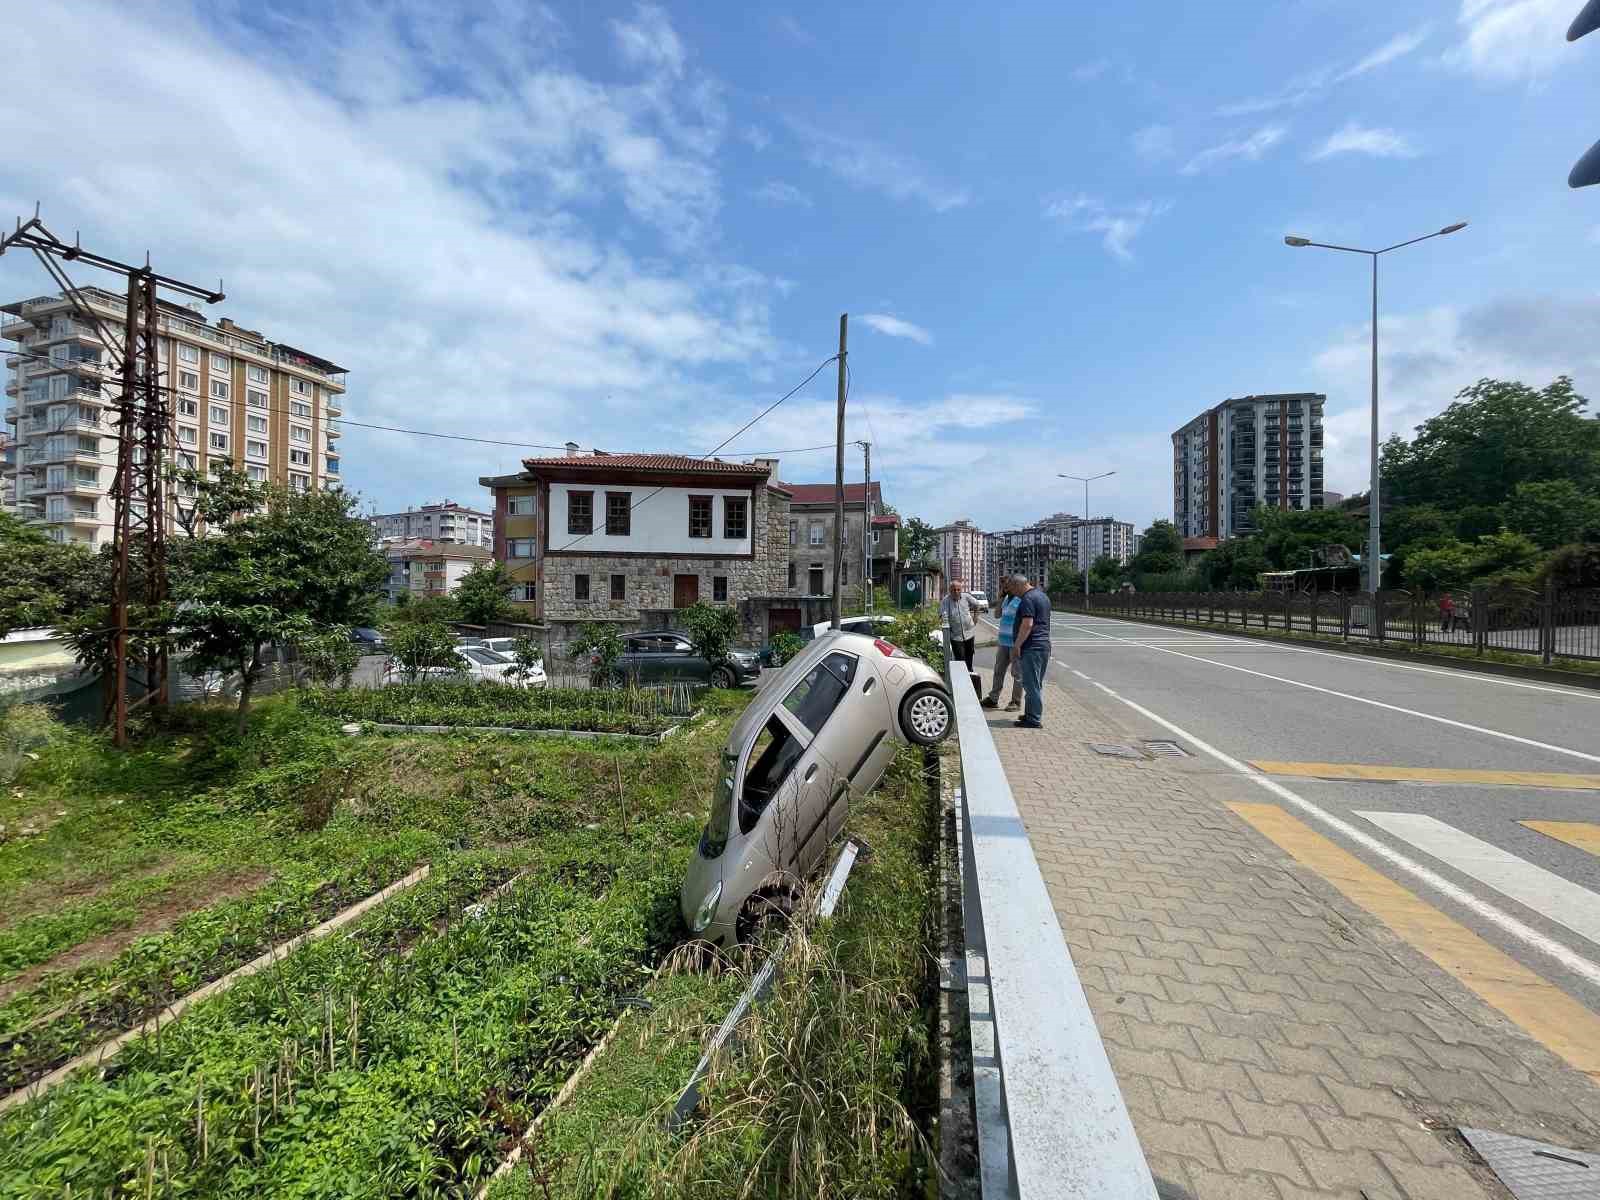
(1374, 564)
(1082, 541)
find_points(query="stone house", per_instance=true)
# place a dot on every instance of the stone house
(810, 537)
(633, 538)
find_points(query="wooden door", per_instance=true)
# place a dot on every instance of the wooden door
(685, 590)
(782, 620)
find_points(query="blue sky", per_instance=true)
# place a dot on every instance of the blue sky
(1058, 229)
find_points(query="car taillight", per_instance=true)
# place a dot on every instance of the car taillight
(887, 649)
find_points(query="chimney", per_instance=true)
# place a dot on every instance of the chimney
(771, 464)
(572, 449)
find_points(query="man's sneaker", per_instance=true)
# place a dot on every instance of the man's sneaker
(1013, 707)
(989, 702)
(1024, 723)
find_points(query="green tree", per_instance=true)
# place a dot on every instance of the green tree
(1445, 567)
(596, 646)
(284, 568)
(428, 610)
(712, 628)
(1160, 550)
(1105, 574)
(1502, 557)
(331, 657)
(44, 582)
(484, 594)
(918, 540)
(527, 658)
(1062, 578)
(418, 646)
(1554, 512)
(1291, 538)
(1235, 565)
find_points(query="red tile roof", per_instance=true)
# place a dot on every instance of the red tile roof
(1199, 543)
(823, 493)
(887, 519)
(677, 463)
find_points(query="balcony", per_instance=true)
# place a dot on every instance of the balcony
(334, 431)
(335, 406)
(15, 328)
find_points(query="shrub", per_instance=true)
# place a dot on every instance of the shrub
(23, 729)
(785, 646)
(331, 657)
(711, 627)
(419, 645)
(597, 646)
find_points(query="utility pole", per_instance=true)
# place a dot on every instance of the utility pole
(866, 526)
(838, 473)
(139, 546)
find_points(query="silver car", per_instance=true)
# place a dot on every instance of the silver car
(825, 728)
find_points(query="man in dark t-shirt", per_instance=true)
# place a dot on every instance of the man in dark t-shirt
(1030, 647)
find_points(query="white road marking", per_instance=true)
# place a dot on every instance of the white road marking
(1547, 893)
(1570, 959)
(1363, 660)
(1410, 712)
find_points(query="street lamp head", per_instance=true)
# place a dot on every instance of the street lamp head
(1459, 225)
(1291, 240)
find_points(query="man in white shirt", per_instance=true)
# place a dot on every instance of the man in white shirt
(956, 613)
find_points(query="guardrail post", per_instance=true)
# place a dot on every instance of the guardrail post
(1418, 619)
(1547, 621)
(1344, 617)
(1379, 617)
(1478, 615)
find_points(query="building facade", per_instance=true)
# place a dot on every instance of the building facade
(1027, 551)
(963, 553)
(421, 567)
(632, 538)
(1100, 537)
(1245, 452)
(810, 536)
(267, 409)
(446, 521)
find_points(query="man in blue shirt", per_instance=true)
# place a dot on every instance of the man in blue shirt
(1030, 648)
(1002, 659)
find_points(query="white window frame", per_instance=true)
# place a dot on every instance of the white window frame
(300, 458)
(298, 408)
(219, 414)
(255, 424)
(299, 482)
(256, 474)
(189, 381)
(219, 389)
(257, 374)
(299, 387)
(520, 547)
(188, 435)
(255, 399)
(300, 433)
(219, 362)
(217, 442)
(188, 353)
(188, 407)
(255, 449)
(522, 506)
(528, 592)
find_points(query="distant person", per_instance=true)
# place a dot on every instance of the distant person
(1002, 658)
(957, 613)
(1447, 612)
(1031, 647)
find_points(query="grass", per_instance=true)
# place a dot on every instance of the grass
(828, 1091)
(597, 710)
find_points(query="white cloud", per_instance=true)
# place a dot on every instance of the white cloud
(775, 191)
(650, 41)
(895, 327)
(756, 136)
(437, 239)
(1398, 46)
(1117, 227)
(1154, 143)
(1249, 148)
(1090, 71)
(879, 168)
(1356, 139)
(1506, 40)
(793, 30)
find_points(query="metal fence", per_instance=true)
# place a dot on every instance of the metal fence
(1050, 1117)
(1549, 624)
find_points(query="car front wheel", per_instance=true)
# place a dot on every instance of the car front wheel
(926, 716)
(722, 677)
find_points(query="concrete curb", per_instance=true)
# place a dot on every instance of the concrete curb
(1392, 654)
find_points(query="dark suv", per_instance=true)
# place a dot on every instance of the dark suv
(671, 657)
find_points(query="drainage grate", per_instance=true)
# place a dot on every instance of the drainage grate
(1112, 751)
(1169, 748)
(1537, 1170)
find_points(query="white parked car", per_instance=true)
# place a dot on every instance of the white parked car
(477, 663)
(981, 597)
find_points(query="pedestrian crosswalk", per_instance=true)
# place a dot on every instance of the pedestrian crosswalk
(1546, 1010)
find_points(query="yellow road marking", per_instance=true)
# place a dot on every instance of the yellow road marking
(1377, 771)
(1566, 1027)
(1581, 834)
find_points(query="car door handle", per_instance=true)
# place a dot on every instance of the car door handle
(811, 772)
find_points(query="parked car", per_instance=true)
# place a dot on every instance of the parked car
(668, 657)
(826, 727)
(477, 663)
(370, 640)
(981, 597)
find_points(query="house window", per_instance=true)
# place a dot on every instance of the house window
(791, 575)
(219, 362)
(88, 475)
(188, 461)
(699, 516)
(619, 515)
(300, 458)
(256, 374)
(300, 387)
(580, 587)
(580, 513)
(188, 408)
(187, 353)
(816, 533)
(522, 506)
(519, 548)
(528, 593)
(794, 533)
(219, 441)
(254, 398)
(255, 449)
(719, 588)
(88, 445)
(256, 474)
(219, 415)
(735, 517)
(187, 435)
(619, 587)
(255, 424)
(219, 389)
(844, 572)
(298, 408)
(299, 433)
(188, 381)
(299, 483)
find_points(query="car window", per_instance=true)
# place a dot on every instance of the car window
(715, 838)
(814, 698)
(637, 645)
(676, 645)
(771, 759)
(484, 657)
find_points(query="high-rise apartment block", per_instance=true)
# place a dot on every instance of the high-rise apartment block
(1100, 537)
(267, 409)
(446, 521)
(1245, 452)
(962, 553)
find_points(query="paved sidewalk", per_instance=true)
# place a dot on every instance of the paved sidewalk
(1272, 1040)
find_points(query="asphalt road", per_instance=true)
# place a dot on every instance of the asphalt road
(1320, 713)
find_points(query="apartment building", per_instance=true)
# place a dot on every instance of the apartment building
(264, 407)
(962, 553)
(446, 521)
(1028, 551)
(632, 538)
(422, 567)
(1247, 451)
(812, 510)
(1099, 537)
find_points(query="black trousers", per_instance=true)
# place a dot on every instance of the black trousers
(963, 650)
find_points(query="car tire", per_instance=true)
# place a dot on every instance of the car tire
(768, 909)
(722, 677)
(927, 716)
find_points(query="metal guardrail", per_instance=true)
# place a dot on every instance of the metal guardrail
(1051, 1119)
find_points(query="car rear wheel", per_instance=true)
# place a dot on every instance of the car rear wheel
(926, 716)
(722, 677)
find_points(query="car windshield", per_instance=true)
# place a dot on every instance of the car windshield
(715, 838)
(487, 658)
